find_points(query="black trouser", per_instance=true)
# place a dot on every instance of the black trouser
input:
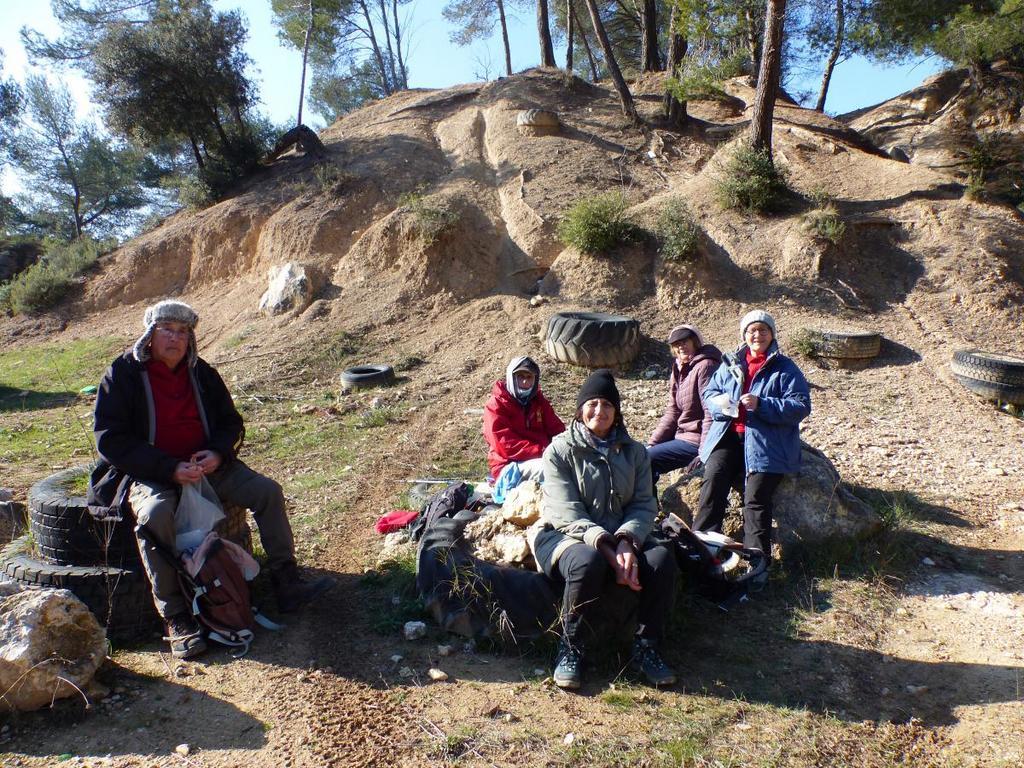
(587, 574)
(723, 468)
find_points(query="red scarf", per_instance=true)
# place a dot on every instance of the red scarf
(179, 431)
(754, 364)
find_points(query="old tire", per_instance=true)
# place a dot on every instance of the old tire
(991, 375)
(853, 345)
(592, 339)
(66, 534)
(368, 376)
(120, 598)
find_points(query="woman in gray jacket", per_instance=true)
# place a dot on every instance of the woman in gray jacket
(597, 516)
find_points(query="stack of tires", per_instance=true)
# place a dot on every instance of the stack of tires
(99, 562)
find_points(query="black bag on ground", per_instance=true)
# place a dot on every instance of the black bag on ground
(474, 598)
(709, 568)
(445, 503)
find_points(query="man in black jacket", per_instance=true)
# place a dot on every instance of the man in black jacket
(164, 419)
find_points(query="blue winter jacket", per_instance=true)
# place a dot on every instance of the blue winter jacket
(772, 432)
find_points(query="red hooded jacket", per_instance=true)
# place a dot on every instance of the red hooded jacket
(514, 432)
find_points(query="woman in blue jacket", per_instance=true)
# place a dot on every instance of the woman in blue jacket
(757, 399)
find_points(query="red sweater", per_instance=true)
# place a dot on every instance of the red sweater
(179, 430)
(515, 433)
(754, 364)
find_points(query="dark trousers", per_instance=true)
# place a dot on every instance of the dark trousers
(723, 468)
(672, 454)
(587, 575)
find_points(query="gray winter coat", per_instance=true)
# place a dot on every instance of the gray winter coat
(587, 494)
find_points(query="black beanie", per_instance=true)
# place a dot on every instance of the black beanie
(600, 383)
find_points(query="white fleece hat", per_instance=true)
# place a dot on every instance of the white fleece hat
(167, 311)
(757, 316)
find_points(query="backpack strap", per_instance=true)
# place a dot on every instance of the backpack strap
(266, 623)
(239, 641)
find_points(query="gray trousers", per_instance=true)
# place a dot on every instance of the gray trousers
(154, 505)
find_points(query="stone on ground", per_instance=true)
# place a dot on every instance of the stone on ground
(50, 645)
(291, 288)
(812, 506)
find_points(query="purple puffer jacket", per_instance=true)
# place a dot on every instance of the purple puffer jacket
(685, 417)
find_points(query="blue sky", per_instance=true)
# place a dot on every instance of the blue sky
(434, 62)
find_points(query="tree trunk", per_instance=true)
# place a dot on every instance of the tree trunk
(504, 38)
(195, 151)
(768, 77)
(388, 90)
(395, 82)
(547, 50)
(625, 97)
(675, 110)
(305, 59)
(586, 43)
(398, 47)
(650, 58)
(833, 57)
(569, 30)
(753, 46)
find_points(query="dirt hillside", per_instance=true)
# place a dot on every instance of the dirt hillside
(915, 666)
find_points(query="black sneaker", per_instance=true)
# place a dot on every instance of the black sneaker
(185, 636)
(646, 662)
(568, 666)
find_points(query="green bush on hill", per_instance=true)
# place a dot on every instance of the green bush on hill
(597, 224)
(47, 281)
(676, 230)
(751, 181)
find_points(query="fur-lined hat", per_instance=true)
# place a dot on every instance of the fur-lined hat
(167, 311)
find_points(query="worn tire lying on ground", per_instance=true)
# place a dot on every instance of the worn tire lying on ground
(120, 598)
(852, 345)
(991, 375)
(66, 534)
(368, 376)
(592, 339)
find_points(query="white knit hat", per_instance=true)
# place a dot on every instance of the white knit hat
(167, 311)
(757, 316)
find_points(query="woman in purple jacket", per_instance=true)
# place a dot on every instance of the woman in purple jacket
(680, 433)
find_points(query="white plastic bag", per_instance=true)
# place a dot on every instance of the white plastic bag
(198, 511)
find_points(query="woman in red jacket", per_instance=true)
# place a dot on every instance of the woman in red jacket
(519, 423)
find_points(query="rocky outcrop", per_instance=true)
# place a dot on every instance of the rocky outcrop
(499, 535)
(50, 648)
(292, 286)
(811, 506)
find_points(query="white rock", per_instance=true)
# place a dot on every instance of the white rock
(291, 287)
(444, 650)
(183, 749)
(569, 739)
(396, 658)
(47, 637)
(437, 675)
(927, 561)
(522, 504)
(414, 630)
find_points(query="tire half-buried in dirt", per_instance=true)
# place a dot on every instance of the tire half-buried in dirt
(66, 534)
(120, 598)
(592, 339)
(991, 375)
(850, 345)
(368, 376)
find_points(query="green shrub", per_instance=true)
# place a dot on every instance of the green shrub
(677, 231)
(702, 82)
(432, 216)
(44, 283)
(826, 223)
(806, 341)
(751, 181)
(597, 224)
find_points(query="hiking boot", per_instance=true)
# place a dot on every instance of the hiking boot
(646, 662)
(294, 592)
(185, 636)
(568, 666)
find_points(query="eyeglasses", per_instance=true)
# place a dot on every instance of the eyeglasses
(172, 332)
